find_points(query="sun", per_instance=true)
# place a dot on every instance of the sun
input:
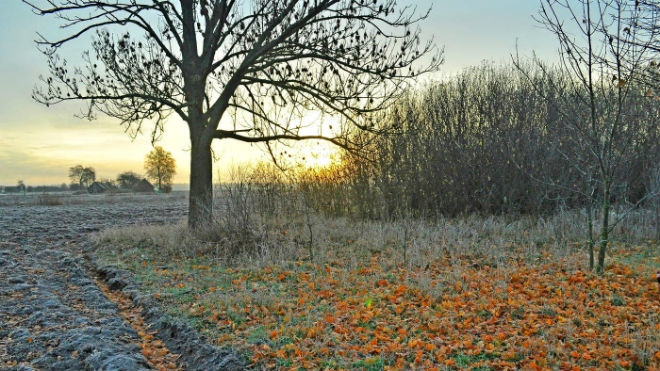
(318, 155)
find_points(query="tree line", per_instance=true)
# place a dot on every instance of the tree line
(159, 165)
(21, 187)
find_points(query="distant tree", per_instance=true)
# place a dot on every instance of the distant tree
(160, 167)
(83, 176)
(128, 180)
(64, 187)
(20, 186)
(262, 63)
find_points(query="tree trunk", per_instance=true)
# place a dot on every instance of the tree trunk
(201, 185)
(604, 232)
(657, 217)
(590, 221)
(590, 234)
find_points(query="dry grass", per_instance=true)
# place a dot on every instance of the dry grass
(49, 200)
(263, 241)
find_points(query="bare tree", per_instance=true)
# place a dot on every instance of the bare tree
(82, 176)
(262, 63)
(602, 55)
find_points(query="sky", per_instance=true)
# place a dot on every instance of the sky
(39, 144)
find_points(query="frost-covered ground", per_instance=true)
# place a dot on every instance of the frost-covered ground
(53, 316)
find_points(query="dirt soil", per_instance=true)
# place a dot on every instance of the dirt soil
(53, 315)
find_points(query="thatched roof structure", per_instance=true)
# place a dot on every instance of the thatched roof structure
(97, 187)
(143, 186)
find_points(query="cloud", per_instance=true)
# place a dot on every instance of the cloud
(19, 165)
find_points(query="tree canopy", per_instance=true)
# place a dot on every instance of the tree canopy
(128, 180)
(160, 167)
(83, 176)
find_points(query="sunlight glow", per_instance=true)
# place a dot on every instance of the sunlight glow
(318, 155)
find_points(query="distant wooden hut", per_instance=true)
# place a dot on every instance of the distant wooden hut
(97, 187)
(143, 186)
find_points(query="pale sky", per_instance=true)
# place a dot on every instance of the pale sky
(39, 144)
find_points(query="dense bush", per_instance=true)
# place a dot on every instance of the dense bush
(492, 140)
